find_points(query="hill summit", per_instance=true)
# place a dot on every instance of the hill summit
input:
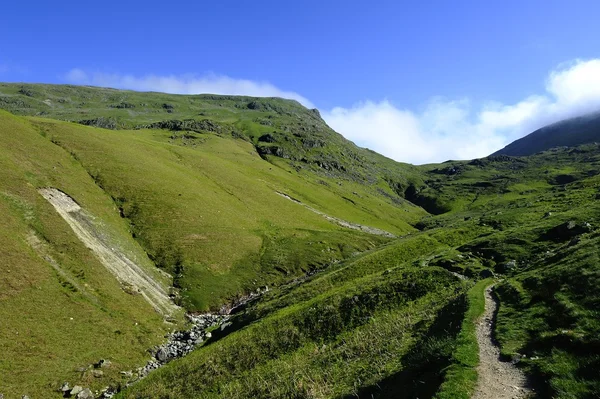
(168, 246)
(567, 133)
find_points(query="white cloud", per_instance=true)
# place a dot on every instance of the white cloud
(444, 130)
(184, 84)
(460, 130)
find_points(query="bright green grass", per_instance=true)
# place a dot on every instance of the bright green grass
(204, 205)
(461, 377)
(215, 208)
(50, 327)
(327, 346)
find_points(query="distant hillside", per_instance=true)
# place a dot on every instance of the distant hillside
(568, 133)
(345, 274)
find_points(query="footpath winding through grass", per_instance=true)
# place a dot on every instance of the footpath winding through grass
(461, 376)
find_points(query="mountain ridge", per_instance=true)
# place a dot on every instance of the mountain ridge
(259, 200)
(571, 132)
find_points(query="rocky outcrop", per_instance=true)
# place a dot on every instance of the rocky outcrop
(101, 122)
(203, 125)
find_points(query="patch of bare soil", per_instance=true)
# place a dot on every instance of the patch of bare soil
(132, 277)
(341, 222)
(497, 379)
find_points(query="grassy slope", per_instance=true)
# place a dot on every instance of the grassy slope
(49, 327)
(549, 300)
(214, 207)
(497, 213)
(211, 204)
(461, 376)
(303, 138)
(346, 340)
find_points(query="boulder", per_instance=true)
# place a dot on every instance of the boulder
(225, 325)
(162, 355)
(76, 390)
(508, 266)
(127, 374)
(85, 394)
(102, 363)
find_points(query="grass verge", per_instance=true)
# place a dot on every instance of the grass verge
(461, 376)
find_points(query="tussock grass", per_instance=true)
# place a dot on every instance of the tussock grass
(461, 376)
(190, 183)
(331, 345)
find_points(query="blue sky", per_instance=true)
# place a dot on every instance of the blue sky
(414, 80)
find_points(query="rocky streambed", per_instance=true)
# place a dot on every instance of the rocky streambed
(179, 344)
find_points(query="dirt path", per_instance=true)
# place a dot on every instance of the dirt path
(131, 276)
(341, 222)
(497, 379)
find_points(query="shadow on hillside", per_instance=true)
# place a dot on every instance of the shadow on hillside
(425, 362)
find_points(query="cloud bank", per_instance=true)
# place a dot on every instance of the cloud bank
(458, 129)
(184, 84)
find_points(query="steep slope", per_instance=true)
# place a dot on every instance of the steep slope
(208, 209)
(329, 337)
(189, 174)
(61, 309)
(375, 270)
(568, 133)
(279, 129)
(205, 206)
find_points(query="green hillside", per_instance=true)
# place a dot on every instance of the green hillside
(567, 133)
(375, 269)
(60, 308)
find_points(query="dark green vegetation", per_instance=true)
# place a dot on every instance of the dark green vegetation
(461, 376)
(568, 133)
(221, 193)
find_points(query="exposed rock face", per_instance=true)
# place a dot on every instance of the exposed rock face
(101, 122)
(204, 125)
(272, 150)
(267, 138)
